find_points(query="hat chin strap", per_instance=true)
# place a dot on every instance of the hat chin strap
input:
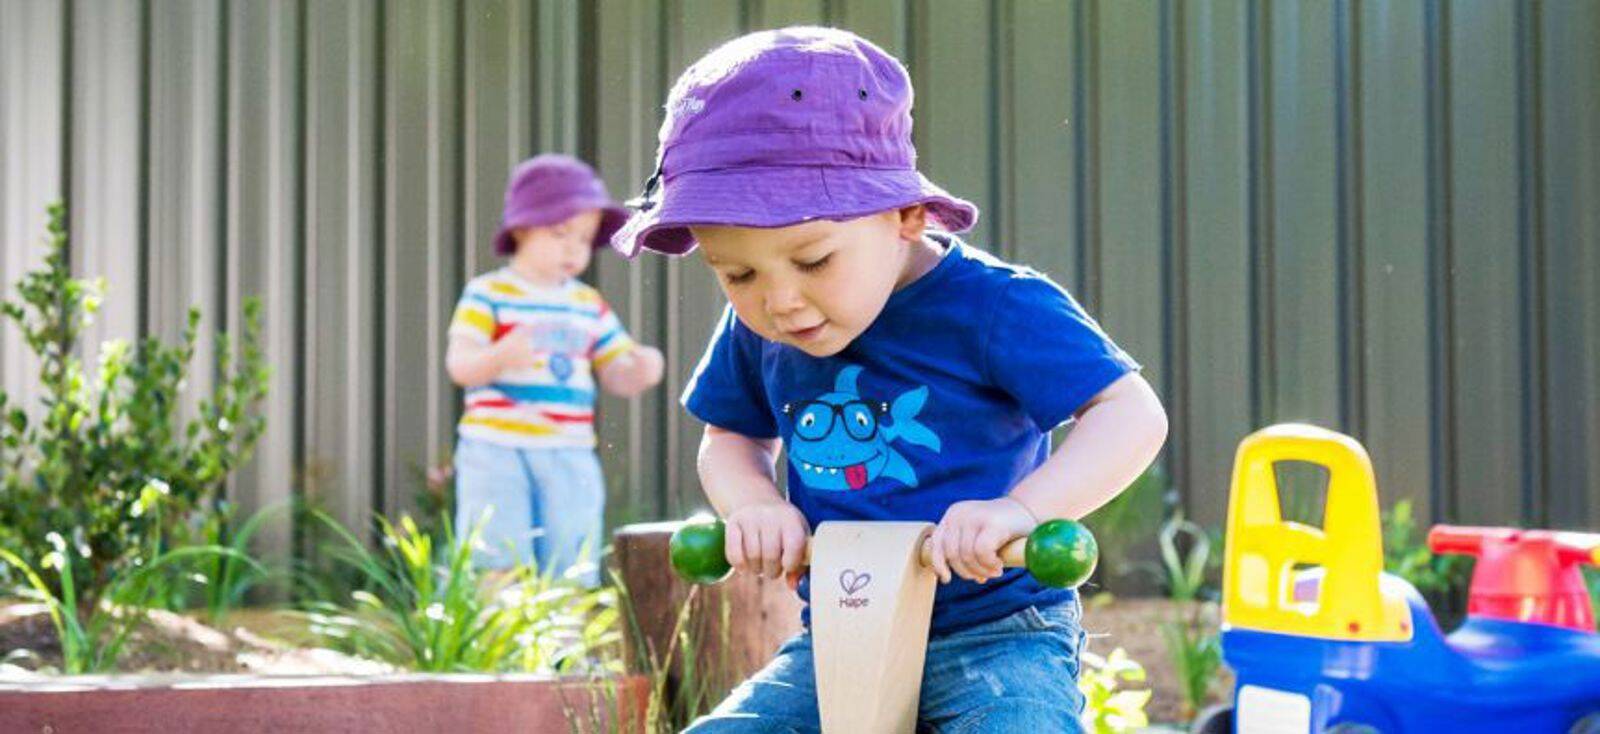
(647, 200)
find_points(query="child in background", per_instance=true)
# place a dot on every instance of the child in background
(907, 375)
(529, 342)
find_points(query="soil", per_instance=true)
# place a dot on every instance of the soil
(248, 641)
(1134, 624)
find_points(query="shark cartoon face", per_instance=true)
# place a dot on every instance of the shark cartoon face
(843, 441)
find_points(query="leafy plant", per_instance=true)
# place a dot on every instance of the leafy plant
(602, 709)
(1109, 708)
(93, 636)
(225, 579)
(684, 682)
(1196, 654)
(319, 571)
(425, 607)
(1191, 638)
(102, 448)
(1184, 570)
(1441, 579)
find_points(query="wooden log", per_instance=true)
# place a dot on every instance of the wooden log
(734, 627)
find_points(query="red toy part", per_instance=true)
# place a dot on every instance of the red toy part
(1525, 575)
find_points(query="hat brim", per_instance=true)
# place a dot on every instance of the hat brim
(612, 217)
(780, 196)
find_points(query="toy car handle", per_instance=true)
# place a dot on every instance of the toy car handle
(1060, 553)
(1570, 547)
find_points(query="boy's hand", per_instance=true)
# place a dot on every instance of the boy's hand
(514, 351)
(968, 539)
(766, 538)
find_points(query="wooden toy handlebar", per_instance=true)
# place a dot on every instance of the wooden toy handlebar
(1059, 553)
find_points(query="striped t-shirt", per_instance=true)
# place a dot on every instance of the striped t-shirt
(574, 334)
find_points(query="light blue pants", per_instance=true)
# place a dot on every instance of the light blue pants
(545, 506)
(1015, 674)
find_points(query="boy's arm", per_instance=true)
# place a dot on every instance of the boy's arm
(737, 470)
(766, 534)
(1117, 434)
(473, 356)
(472, 363)
(622, 366)
(632, 372)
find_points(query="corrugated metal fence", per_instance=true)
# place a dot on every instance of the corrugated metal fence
(1377, 216)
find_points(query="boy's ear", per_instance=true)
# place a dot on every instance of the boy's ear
(913, 222)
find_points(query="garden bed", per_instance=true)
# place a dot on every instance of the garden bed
(126, 704)
(179, 674)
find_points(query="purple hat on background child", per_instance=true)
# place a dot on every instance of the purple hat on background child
(782, 127)
(550, 189)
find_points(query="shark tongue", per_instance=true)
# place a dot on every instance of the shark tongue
(856, 475)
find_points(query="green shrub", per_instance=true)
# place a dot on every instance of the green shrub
(1441, 579)
(105, 462)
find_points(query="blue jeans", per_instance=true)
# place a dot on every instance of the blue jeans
(545, 506)
(1015, 674)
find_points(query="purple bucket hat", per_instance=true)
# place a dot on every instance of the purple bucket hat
(550, 189)
(782, 127)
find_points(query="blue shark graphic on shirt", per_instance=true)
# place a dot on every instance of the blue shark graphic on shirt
(839, 440)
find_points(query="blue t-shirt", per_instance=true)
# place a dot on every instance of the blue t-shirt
(948, 396)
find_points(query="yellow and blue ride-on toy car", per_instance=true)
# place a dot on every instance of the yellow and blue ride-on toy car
(1322, 640)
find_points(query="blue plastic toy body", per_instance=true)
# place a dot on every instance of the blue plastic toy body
(1487, 676)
